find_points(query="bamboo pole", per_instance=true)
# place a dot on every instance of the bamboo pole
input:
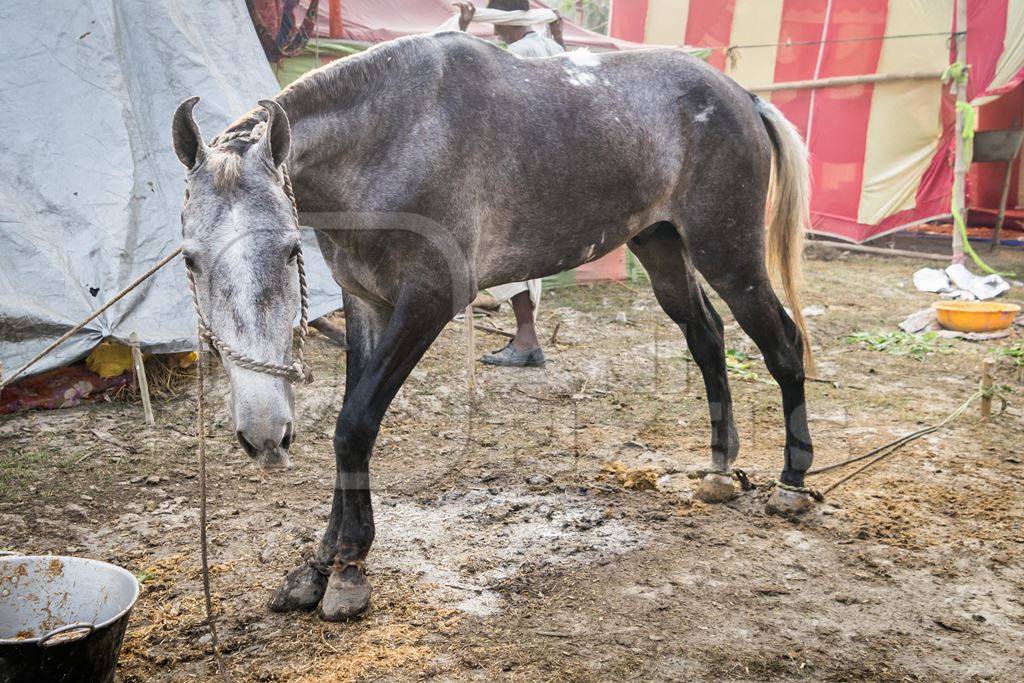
(961, 161)
(840, 81)
(997, 234)
(140, 374)
(864, 249)
(470, 353)
(335, 23)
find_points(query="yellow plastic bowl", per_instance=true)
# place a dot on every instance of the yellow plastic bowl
(975, 316)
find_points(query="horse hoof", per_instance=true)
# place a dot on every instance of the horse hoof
(301, 589)
(789, 503)
(348, 594)
(715, 488)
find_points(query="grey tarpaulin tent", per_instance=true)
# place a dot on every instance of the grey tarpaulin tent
(90, 189)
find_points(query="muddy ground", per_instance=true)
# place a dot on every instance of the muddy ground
(512, 555)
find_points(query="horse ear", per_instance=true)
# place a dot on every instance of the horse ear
(275, 143)
(188, 141)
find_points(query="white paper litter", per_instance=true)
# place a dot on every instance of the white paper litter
(931, 280)
(958, 283)
(988, 287)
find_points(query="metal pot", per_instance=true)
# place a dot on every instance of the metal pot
(62, 619)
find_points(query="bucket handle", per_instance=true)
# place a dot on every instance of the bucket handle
(82, 626)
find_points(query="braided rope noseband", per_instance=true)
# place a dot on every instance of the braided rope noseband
(299, 370)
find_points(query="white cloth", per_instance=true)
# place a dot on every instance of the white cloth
(535, 45)
(956, 282)
(73, 234)
(483, 15)
(505, 292)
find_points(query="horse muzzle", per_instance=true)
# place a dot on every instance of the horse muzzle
(261, 447)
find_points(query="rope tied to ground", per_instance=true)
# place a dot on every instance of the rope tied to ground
(211, 618)
(886, 450)
(735, 473)
(813, 493)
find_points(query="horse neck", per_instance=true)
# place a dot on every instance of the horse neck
(341, 112)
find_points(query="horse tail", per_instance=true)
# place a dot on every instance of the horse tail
(790, 212)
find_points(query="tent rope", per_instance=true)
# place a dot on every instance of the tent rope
(95, 314)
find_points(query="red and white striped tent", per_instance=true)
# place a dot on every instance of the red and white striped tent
(882, 152)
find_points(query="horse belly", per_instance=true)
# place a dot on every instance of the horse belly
(521, 255)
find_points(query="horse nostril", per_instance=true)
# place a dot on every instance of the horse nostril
(249, 449)
(289, 437)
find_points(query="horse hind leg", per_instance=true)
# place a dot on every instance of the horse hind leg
(757, 309)
(663, 254)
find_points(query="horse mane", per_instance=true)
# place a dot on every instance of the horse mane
(226, 150)
(340, 84)
(344, 81)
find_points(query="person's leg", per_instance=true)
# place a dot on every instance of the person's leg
(526, 329)
(524, 350)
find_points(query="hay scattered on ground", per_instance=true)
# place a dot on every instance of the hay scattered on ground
(633, 478)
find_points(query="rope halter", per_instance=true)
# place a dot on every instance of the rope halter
(298, 370)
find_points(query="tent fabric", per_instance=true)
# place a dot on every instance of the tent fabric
(374, 21)
(91, 191)
(881, 154)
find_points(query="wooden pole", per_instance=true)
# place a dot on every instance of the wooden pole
(882, 251)
(336, 25)
(986, 387)
(140, 374)
(840, 81)
(997, 234)
(470, 353)
(961, 161)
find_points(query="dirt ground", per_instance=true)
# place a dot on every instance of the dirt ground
(517, 553)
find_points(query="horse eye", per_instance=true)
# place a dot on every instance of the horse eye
(191, 264)
(294, 255)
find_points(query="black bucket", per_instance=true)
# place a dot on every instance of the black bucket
(62, 619)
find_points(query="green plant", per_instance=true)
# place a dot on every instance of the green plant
(917, 346)
(739, 364)
(1015, 352)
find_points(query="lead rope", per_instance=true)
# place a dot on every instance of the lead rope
(297, 371)
(211, 619)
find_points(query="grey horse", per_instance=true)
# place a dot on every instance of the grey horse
(435, 166)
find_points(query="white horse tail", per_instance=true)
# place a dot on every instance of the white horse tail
(790, 212)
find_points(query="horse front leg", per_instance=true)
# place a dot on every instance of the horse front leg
(415, 323)
(304, 586)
